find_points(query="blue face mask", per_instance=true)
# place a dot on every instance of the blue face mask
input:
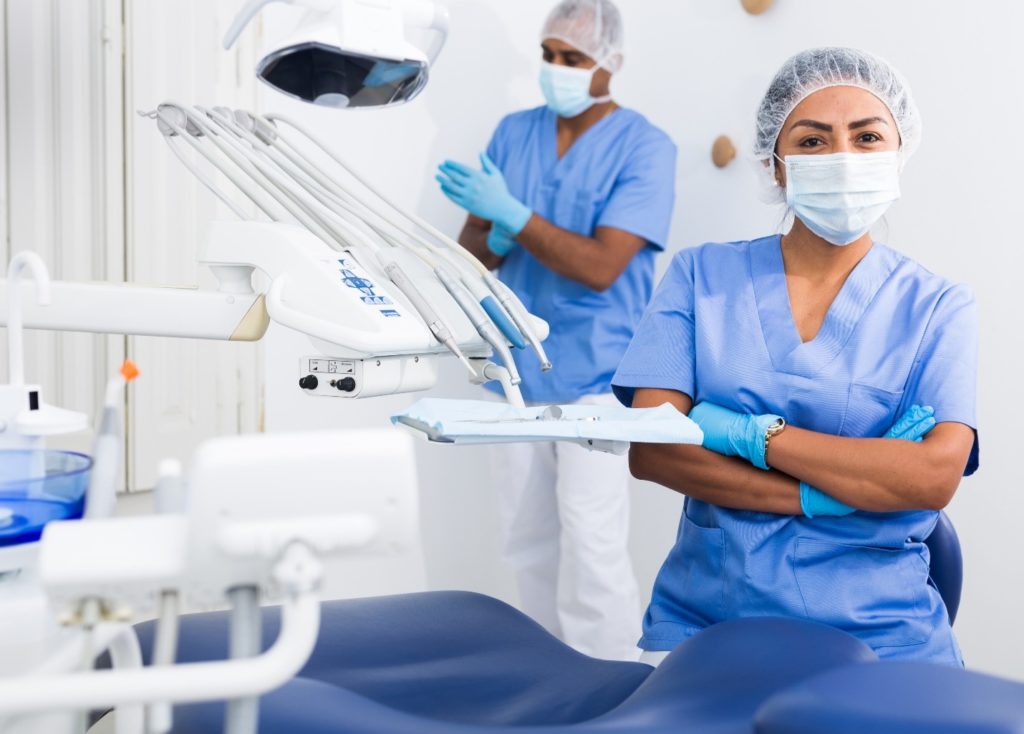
(840, 196)
(567, 89)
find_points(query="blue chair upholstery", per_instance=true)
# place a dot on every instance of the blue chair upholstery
(463, 663)
(455, 657)
(896, 698)
(947, 564)
(715, 681)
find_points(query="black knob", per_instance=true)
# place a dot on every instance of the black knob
(309, 382)
(346, 384)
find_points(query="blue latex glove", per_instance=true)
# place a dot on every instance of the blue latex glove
(912, 426)
(816, 503)
(483, 194)
(733, 434)
(499, 241)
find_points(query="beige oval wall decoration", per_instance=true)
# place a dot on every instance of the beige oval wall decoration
(756, 7)
(722, 151)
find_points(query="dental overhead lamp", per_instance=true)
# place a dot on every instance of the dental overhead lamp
(380, 292)
(350, 53)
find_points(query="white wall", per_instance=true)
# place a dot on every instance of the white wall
(189, 389)
(697, 68)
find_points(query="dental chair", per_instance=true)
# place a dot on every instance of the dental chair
(899, 697)
(946, 565)
(465, 663)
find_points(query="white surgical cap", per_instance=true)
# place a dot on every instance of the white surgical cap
(819, 68)
(592, 26)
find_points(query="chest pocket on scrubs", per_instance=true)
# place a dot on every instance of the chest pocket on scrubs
(572, 209)
(870, 411)
(578, 213)
(877, 593)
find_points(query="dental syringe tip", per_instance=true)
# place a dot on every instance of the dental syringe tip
(129, 371)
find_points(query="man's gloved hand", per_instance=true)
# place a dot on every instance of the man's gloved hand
(499, 241)
(733, 434)
(913, 425)
(484, 194)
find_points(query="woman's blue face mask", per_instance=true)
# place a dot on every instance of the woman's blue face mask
(840, 196)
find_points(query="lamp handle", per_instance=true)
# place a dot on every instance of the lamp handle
(246, 14)
(430, 16)
(251, 8)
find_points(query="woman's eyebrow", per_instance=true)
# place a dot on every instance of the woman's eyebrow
(867, 121)
(812, 123)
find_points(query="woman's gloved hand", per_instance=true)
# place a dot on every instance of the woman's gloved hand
(733, 434)
(911, 426)
(484, 194)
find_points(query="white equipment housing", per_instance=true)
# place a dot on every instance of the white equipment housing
(343, 305)
(257, 512)
(358, 324)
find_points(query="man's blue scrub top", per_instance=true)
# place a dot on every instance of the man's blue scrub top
(620, 173)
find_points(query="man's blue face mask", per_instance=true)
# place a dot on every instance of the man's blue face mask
(567, 89)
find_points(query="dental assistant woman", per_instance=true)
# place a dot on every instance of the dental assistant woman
(571, 206)
(834, 379)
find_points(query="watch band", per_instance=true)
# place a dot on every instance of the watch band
(773, 430)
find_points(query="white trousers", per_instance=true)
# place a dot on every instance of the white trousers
(654, 658)
(565, 522)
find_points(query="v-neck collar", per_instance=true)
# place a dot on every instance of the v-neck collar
(787, 351)
(551, 136)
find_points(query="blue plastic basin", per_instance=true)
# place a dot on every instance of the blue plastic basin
(38, 486)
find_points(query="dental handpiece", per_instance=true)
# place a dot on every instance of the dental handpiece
(479, 318)
(433, 321)
(512, 305)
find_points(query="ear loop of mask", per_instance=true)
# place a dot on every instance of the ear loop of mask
(775, 170)
(789, 215)
(600, 65)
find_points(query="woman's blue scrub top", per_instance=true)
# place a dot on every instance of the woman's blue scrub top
(620, 173)
(720, 329)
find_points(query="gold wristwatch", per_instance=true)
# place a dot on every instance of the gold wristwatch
(773, 430)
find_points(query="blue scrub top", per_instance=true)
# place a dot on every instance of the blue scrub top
(620, 173)
(720, 329)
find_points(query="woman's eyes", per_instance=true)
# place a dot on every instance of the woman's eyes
(862, 139)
